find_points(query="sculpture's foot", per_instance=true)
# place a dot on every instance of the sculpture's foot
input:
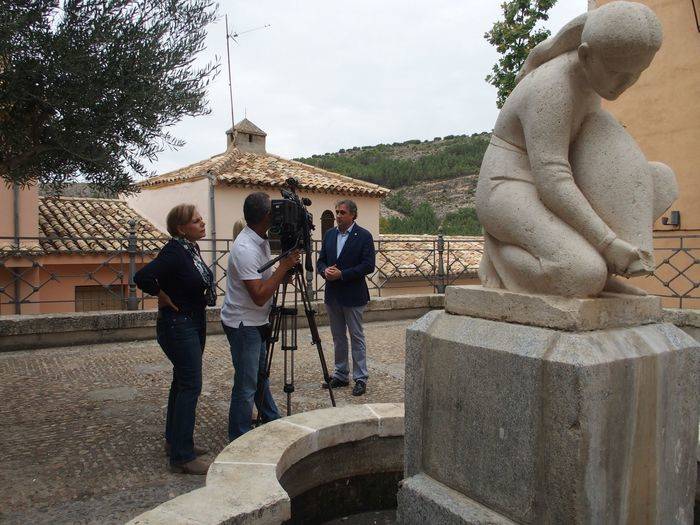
(617, 285)
(487, 272)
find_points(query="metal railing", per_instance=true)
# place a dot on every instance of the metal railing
(36, 276)
(51, 273)
(677, 272)
(31, 266)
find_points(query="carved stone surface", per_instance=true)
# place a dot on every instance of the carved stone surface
(535, 425)
(243, 482)
(551, 311)
(565, 195)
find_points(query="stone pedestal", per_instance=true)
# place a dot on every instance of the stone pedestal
(536, 409)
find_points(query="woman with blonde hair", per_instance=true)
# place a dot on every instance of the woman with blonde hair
(565, 196)
(184, 286)
(238, 228)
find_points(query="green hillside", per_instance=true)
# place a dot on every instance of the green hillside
(433, 181)
(408, 163)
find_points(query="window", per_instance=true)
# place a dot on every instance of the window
(250, 138)
(98, 298)
(327, 222)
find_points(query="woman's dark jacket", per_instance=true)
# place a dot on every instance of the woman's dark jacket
(173, 271)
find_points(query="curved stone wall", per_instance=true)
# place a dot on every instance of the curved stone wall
(243, 482)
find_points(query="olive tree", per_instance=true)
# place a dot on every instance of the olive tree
(88, 88)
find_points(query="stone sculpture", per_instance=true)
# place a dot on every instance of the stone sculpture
(532, 399)
(565, 195)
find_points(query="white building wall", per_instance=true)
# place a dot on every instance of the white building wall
(155, 203)
(229, 208)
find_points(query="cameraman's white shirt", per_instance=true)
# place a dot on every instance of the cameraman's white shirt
(248, 253)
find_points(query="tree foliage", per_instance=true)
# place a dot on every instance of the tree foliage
(462, 222)
(394, 166)
(396, 200)
(514, 37)
(89, 87)
(422, 220)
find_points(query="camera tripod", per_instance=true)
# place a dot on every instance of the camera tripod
(283, 323)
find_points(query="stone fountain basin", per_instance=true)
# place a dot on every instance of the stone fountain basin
(314, 465)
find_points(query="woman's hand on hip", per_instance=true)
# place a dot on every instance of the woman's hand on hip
(165, 300)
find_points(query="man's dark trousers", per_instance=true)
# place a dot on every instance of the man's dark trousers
(346, 298)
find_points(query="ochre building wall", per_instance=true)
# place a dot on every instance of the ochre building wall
(662, 112)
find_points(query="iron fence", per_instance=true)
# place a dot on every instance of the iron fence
(35, 275)
(677, 273)
(40, 274)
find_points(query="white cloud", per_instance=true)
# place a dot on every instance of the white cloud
(328, 74)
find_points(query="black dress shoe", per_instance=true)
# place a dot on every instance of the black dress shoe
(336, 383)
(359, 388)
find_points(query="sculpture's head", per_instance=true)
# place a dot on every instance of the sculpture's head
(618, 42)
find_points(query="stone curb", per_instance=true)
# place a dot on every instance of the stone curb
(560, 313)
(682, 318)
(26, 332)
(242, 484)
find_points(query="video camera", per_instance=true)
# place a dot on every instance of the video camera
(293, 223)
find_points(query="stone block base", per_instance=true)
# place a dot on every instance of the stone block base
(423, 500)
(610, 310)
(544, 425)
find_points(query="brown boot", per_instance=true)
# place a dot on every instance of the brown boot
(197, 466)
(198, 451)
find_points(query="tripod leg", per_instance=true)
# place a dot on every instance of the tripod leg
(275, 322)
(316, 338)
(289, 347)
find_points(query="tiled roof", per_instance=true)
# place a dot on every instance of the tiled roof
(264, 170)
(246, 126)
(85, 225)
(415, 255)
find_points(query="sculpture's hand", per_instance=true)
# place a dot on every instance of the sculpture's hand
(620, 255)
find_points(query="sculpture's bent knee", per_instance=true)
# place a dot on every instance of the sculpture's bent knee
(578, 274)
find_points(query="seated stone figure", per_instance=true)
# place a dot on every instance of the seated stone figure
(565, 195)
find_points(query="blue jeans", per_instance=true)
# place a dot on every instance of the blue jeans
(182, 337)
(249, 382)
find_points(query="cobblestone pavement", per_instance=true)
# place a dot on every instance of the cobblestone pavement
(82, 426)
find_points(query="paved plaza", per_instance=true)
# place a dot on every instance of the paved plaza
(82, 426)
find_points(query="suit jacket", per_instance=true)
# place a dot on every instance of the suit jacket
(356, 260)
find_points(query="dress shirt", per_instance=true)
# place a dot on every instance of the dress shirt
(342, 237)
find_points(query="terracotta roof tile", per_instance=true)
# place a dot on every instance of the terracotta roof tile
(246, 126)
(236, 168)
(414, 255)
(86, 225)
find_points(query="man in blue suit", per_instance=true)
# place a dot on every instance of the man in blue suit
(347, 255)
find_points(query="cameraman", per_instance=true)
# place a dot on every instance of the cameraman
(245, 314)
(347, 256)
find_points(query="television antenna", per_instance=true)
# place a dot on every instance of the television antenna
(233, 36)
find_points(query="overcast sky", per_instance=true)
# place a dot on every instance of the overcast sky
(328, 74)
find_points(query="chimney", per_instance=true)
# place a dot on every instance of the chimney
(247, 137)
